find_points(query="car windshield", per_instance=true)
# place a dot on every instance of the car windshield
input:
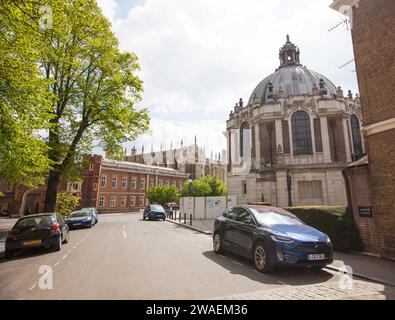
(80, 214)
(157, 208)
(271, 218)
(35, 221)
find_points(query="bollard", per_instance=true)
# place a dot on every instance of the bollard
(179, 217)
(190, 219)
(185, 218)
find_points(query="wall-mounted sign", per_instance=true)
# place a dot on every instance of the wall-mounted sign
(365, 212)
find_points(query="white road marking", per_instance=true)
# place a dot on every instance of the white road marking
(65, 256)
(238, 263)
(57, 263)
(124, 234)
(75, 246)
(33, 286)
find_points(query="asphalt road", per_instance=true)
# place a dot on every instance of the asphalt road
(124, 257)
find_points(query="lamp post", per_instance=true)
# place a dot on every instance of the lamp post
(190, 187)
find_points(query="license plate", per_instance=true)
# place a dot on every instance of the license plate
(31, 242)
(316, 257)
(77, 224)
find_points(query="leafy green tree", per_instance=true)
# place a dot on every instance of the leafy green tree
(67, 202)
(163, 194)
(205, 187)
(91, 89)
(217, 187)
(24, 96)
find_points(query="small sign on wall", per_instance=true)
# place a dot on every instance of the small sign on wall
(365, 212)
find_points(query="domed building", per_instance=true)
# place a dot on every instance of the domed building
(290, 143)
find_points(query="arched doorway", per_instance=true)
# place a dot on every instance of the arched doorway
(32, 199)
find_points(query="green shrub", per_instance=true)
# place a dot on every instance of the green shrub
(66, 203)
(337, 222)
(163, 194)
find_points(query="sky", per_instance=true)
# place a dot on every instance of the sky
(199, 57)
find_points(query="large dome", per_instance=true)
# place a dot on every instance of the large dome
(292, 78)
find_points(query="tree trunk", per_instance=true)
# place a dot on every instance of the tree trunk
(52, 189)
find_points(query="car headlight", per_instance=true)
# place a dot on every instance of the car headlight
(279, 238)
(328, 241)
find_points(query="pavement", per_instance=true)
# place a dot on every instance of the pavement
(125, 257)
(363, 266)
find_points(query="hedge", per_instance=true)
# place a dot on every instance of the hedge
(337, 222)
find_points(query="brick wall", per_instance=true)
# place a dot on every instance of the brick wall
(125, 191)
(361, 196)
(374, 46)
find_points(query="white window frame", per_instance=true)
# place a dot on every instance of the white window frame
(133, 183)
(91, 167)
(103, 179)
(103, 200)
(123, 201)
(95, 186)
(142, 183)
(124, 182)
(142, 201)
(113, 201)
(132, 201)
(114, 179)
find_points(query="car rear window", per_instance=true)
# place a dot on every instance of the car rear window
(35, 221)
(80, 214)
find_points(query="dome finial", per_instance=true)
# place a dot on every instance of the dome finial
(289, 54)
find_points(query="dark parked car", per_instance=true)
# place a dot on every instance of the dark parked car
(80, 219)
(271, 237)
(39, 230)
(4, 213)
(154, 211)
(94, 212)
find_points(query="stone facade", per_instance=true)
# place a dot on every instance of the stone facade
(289, 144)
(374, 47)
(190, 160)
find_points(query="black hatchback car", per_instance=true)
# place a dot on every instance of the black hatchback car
(154, 211)
(271, 237)
(40, 230)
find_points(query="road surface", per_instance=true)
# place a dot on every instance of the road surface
(125, 257)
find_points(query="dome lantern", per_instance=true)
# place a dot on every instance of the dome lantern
(289, 54)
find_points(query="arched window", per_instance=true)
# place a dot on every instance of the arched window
(356, 136)
(301, 133)
(244, 137)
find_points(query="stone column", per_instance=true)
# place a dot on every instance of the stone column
(279, 134)
(325, 140)
(281, 188)
(346, 140)
(257, 147)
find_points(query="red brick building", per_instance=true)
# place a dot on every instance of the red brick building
(372, 183)
(110, 186)
(120, 186)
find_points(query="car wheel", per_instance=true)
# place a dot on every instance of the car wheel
(164, 218)
(217, 243)
(143, 216)
(58, 245)
(261, 258)
(9, 254)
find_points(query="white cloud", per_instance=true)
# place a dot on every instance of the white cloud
(109, 8)
(199, 57)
